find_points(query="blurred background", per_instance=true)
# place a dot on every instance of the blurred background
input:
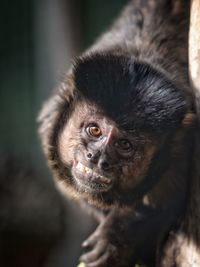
(38, 40)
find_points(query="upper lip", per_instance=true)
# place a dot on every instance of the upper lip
(92, 174)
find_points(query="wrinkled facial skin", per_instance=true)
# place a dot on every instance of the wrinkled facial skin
(103, 158)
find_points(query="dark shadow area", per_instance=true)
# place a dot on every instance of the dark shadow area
(38, 40)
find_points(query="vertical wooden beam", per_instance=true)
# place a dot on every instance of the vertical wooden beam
(192, 221)
(194, 50)
(194, 72)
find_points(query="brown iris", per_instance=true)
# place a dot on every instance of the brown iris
(94, 131)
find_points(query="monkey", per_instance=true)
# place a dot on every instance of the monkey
(119, 133)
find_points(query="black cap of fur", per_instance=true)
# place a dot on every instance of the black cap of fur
(133, 94)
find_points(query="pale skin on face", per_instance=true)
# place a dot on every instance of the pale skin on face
(134, 169)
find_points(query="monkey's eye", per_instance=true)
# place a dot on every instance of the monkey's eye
(94, 130)
(124, 144)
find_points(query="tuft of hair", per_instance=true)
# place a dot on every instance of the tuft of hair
(132, 93)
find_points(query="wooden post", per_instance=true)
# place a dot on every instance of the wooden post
(194, 72)
(194, 50)
(191, 250)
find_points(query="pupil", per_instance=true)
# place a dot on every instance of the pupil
(95, 131)
(125, 144)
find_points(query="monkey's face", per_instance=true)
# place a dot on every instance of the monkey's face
(105, 161)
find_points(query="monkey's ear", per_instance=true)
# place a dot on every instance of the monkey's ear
(55, 110)
(189, 119)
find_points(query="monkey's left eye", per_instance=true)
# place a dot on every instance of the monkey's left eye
(94, 131)
(124, 144)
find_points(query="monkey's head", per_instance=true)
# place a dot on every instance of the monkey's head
(105, 135)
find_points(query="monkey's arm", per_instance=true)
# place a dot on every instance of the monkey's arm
(121, 239)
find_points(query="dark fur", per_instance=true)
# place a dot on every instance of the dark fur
(132, 93)
(135, 76)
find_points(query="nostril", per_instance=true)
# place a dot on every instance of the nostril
(105, 165)
(92, 157)
(89, 155)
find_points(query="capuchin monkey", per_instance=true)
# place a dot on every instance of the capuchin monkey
(119, 133)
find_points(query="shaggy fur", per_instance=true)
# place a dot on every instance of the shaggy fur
(135, 79)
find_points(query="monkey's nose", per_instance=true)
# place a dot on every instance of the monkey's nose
(100, 160)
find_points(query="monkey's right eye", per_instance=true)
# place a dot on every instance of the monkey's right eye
(94, 131)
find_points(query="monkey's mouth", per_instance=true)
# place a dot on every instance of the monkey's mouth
(89, 179)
